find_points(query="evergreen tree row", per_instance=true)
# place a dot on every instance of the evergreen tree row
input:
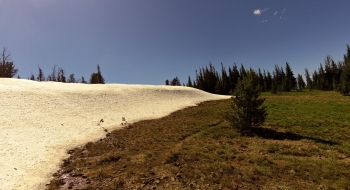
(58, 74)
(224, 82)
(331, 76)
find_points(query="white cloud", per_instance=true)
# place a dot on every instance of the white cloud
(274, 14)
(284, 10)
(258, 11)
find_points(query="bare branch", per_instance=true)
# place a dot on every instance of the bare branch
(5, 58)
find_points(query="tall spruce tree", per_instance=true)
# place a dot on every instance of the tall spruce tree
(308, 79)
(234, 76)
(267, 81)
(189, 82)
(300, 83)
(345, 75)
(225, 81)
(289, 81)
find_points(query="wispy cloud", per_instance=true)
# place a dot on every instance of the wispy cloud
(284, 10)
(259, 12)
(274, 14)
(263, 21)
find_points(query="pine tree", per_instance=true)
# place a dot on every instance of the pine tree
(175, 82)
(234, 77)
(7, 68)
(274, 83)
(100, 77)
(96, 78)
(300, 83)
(71, 79)
(308, 79)
(345, 75)
(40, 75)
(261, 80)
(267, 81)
(328, 73)
(290, 80)
(242, 72)
(247, 109)
(83, 80)
(225, 81)
(32, 76)
(219, 88)
(345, 80)
(189, 82)
(195, 84)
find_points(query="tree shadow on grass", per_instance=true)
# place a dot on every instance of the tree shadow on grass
(275, 135)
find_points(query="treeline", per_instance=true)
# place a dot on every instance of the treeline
(58, 74)
(224, 82)
(331, 76)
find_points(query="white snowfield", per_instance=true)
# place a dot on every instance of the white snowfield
(41, 121)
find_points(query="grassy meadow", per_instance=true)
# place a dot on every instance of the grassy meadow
(304, 144)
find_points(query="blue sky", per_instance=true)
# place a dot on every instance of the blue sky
(149, 41)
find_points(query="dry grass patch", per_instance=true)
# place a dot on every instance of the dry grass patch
(195, 148)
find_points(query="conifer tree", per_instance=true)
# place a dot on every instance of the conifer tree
(83, 80)
(189, 82)
(218, 85)
(345, 75)
(247, 109)
(100, 77)
(195, 84)
(289, 81)
(234, 76)
(242, 72)
(300, 83)
(225, 81)
(71, 79)
(40, 76)
(261, 80)
(97, 78)
(32, 76)
(61, 75)
(308, 79)
(7, 68)
(274, 83)
(175, 82)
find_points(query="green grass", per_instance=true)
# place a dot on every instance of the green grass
(304, 144)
